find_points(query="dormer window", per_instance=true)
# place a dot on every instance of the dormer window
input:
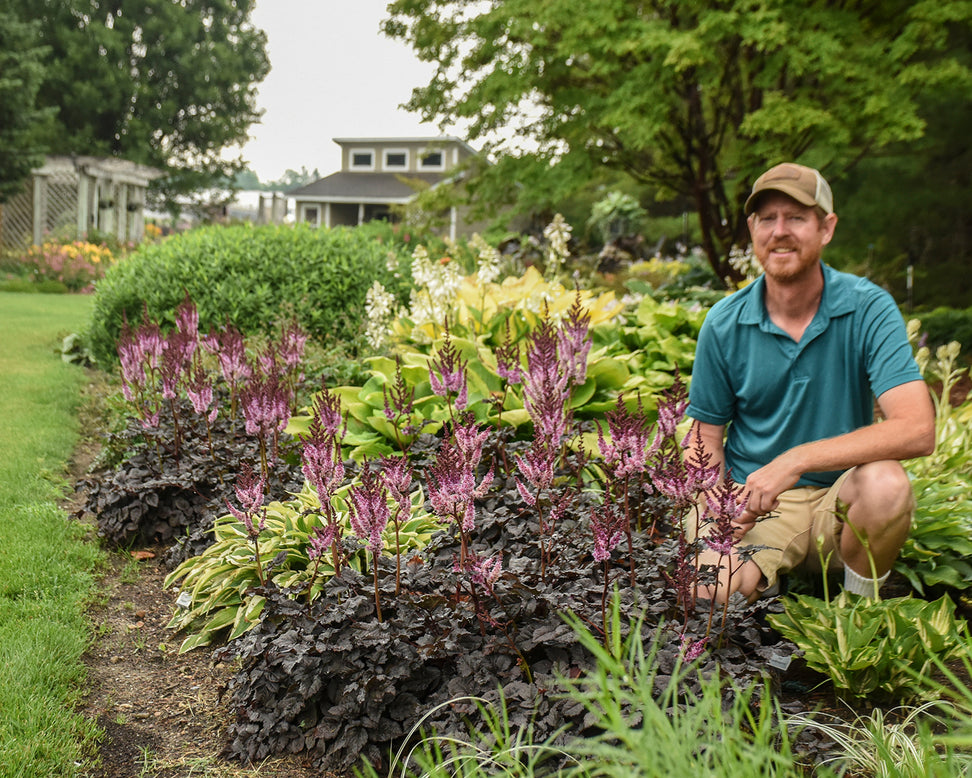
(432, 160)
(396, 159)
(363, 159)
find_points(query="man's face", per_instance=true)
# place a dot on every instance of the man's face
(788, 237)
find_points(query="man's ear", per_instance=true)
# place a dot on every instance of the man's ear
(828, 226)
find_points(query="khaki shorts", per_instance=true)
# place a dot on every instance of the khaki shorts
(789, 533)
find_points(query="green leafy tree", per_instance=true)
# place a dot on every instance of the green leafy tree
(691, 98)
(291, 179)
(164, 83)
(21, 70)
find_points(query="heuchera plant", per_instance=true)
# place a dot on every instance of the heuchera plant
(554, 473)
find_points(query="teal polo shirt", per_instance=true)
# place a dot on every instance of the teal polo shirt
(774, 394)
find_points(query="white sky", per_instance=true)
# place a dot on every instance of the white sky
(334, 75)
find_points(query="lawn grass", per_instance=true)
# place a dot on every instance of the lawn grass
(47, 567)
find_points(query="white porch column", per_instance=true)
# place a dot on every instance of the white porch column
(40, 210)
(361, 213)
(327, 215)
(84, 204)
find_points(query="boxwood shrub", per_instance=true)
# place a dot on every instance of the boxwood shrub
(251, 276)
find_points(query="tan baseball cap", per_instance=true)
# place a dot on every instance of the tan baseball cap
(803, 184)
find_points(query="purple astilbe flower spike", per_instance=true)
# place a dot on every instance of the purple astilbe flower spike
(150, 341)
(293, 341)
(470, 439)
(327, 409)
(574, 341)
(607, 527)
(672, 407)
(447, 373)
(628, 449)
(199, 389)
(692, 651)
(484, 572)
(725, 504)
(546, 384)
(537, 466)
(508, 360)
(321, 461)
(230, 349)
(187, 317)
(396, 474)
(268, 360)
(249, 490)
(670, 477)
(321, 540)
(702, 474)
(132, 360)
(368, 510)
(452, 487)
(265, 404)
(399, 397)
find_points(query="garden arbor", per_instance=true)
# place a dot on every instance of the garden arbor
(72, 195)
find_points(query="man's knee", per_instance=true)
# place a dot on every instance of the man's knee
(880, 490)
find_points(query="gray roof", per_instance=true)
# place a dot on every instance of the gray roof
(363, 187)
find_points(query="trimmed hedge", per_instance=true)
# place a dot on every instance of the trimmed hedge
(250, 276)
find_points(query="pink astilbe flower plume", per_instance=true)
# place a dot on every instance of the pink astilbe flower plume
(447, 373)
(321, 461)
(574, 341)
(265, 404)
(187, 317)
(627, 450)
(368, 509)
(452, 481)
(608, 529)
(396, 474)
(250, 492)
(672, 407)
(369, 514)
(229, 347)
(399, 402)
(293, 341)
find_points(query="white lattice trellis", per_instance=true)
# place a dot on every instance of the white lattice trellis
(69, 196)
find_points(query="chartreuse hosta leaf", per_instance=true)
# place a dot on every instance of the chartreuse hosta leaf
(220, 582)
(870, 647)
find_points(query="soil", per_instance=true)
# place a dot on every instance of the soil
(162, 712)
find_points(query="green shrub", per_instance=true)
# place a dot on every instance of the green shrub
(249, 276)
(943, 325)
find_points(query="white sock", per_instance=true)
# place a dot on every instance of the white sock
(858, 584)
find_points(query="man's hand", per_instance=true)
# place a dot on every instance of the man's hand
(764, 486)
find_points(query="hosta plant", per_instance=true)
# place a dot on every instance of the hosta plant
(221, 583)
(938, 551)
(872, 647)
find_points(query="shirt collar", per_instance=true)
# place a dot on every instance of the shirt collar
(836, 299)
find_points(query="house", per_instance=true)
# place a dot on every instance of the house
(70, 196)
(378, 173)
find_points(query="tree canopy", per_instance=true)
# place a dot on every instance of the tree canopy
(167, 83)
(691, 98)
(21, 68)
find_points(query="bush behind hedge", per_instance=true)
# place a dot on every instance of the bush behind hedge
(251, 276)
(943, 325)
